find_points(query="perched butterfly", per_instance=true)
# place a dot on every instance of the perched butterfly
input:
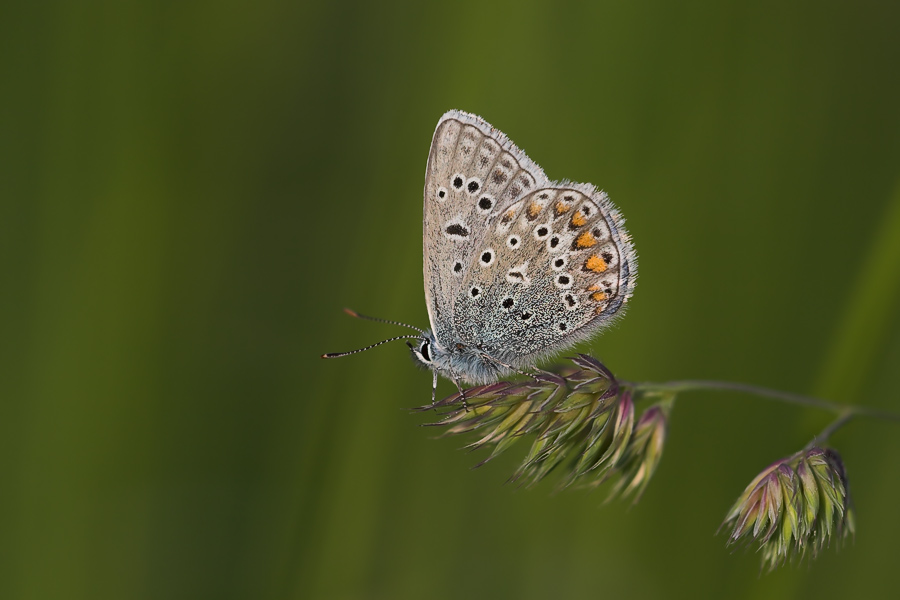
(517, 267)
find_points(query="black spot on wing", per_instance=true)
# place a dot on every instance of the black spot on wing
(457, 229)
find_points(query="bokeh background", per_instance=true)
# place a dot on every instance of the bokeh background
(191, 191)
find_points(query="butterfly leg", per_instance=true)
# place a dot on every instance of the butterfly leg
(462, 394)
(434, 389)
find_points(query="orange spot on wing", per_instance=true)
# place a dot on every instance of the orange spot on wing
(578, 219)
(585, 240)
(561, 207)
(595, 264)
(533, 209)
(598, 296)
(594, 288)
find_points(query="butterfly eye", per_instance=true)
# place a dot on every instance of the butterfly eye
(424, 351)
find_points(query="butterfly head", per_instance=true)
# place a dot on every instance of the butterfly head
(427, 352)
(458, 363)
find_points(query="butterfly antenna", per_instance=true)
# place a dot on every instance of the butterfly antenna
(356, 315)
(393, 339)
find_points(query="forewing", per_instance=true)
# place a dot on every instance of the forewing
(552, 269)
(473, 173)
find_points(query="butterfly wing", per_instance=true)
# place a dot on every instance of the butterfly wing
(473, 172)
(553, 268)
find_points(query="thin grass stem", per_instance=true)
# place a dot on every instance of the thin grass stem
(755, 390)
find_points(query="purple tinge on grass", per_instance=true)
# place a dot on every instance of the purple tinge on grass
(580, 422)
(794, 507)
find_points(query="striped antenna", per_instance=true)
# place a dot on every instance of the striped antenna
(393, 339)
(356, 315)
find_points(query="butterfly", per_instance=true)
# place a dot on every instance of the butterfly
(517, 267)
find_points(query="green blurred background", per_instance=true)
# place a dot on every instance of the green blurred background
(191, 191)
